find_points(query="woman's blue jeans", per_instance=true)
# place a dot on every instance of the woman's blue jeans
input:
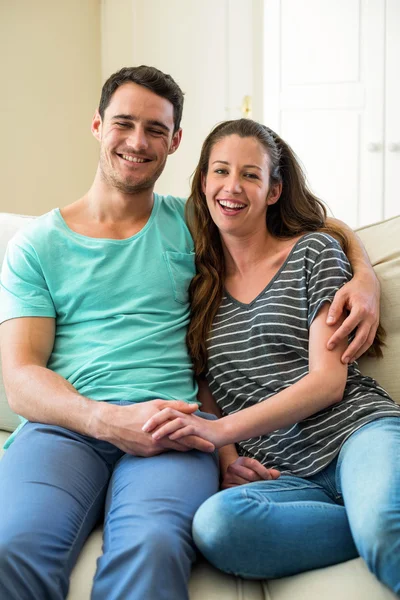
(56, 485)
(270, 529)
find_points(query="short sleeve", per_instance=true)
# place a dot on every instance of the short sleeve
(23, 288)
(331, 270)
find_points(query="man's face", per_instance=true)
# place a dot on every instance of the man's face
(136, 136)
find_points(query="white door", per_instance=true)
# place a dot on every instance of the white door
(392, 120)
(207, 46)
(324, 93)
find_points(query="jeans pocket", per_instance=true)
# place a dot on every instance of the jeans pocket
(181, 269)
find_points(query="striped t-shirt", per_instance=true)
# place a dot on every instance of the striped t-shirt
(258, 349)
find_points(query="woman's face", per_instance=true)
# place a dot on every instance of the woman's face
(237, 185)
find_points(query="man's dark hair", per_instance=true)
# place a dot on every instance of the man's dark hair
(149, 77)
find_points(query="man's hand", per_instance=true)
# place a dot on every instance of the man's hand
(360, 296)
(122, 426)
(246, 470)
(173, 425)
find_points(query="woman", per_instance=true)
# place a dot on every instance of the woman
(318, 477)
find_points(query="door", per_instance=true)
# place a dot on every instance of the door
(324, 93)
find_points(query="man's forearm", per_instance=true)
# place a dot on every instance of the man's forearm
(356, 253)
(42, 396)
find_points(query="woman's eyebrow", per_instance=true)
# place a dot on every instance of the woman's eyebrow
(224, 162)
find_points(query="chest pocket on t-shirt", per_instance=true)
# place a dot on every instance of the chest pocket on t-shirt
(181, 268)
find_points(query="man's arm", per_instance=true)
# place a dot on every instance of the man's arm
(40, 395)
(360, 296)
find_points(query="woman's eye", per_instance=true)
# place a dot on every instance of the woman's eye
(251, 175)
(220, 171)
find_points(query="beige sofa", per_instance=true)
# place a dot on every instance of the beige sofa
(346, 581)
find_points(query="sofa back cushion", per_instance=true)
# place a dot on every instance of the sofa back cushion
(9, 224)
(382, 241)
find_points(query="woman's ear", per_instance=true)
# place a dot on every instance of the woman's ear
(274, 193)
(203, 183)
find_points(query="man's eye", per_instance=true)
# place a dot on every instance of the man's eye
(123, 124)
(156, 131)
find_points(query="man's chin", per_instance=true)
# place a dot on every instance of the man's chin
(130, 186)
(134, 187)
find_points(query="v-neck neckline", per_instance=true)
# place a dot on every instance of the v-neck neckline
(271, 281)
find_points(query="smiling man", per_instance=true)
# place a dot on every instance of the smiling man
(95, 303)
(94, 311)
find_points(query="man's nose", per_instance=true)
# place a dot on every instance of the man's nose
(137, 139)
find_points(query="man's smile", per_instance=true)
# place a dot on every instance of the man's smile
(134, 159)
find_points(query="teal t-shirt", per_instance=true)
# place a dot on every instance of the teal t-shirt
(121, 306)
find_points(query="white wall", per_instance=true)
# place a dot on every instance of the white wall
(208, 47)
(50, 85)
(56, 55)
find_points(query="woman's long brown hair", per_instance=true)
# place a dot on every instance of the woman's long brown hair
(297, 212)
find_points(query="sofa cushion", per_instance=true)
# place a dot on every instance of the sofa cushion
(9, 224)
(382, 242)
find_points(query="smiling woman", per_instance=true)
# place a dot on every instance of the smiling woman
(238, 183)
(300, 431)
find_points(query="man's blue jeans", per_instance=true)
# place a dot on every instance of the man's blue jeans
(271, 529)
(54, 488)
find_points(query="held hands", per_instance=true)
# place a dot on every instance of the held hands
(123, 427)
(360, 296)
(175, 426)
(246, 470)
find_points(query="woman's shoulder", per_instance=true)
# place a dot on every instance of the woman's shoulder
(316, 242)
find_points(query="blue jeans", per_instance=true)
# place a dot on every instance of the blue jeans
(54, 488)
(270, 529)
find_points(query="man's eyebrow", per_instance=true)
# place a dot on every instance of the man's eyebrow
(152, 122)
(224, 162)
(159, 124)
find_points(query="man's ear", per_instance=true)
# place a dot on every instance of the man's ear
(176, 140)
(97, 125)
(274, 193)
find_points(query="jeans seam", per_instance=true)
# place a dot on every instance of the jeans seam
(331, 488)
(291, 489)
(267, 503)
(81, 526)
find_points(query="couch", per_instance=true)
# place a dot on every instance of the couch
(347, 581)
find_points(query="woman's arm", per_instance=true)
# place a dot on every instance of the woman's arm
(235, 470)
(227, 454)
(360, 296)
(321, 387)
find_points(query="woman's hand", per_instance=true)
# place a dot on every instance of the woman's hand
(177, 426)
(360, 296)
(246, 470)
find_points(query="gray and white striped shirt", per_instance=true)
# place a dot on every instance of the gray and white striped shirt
(258, 349)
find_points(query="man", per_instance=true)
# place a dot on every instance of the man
(94, 310)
